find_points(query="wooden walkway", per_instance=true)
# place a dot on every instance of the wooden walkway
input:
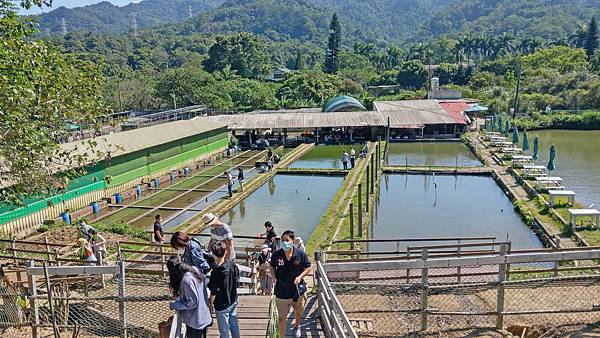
(253, 318)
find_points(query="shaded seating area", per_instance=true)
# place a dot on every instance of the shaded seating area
(548, 183)
(570, 195)
(521, 160)
(534, 170)
(592, 215)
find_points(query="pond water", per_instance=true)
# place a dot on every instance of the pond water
(432, 154)
(577, 160)
(325, 157)
(447, 206)
(293, 202)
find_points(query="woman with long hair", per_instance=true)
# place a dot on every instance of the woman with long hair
(189, 285)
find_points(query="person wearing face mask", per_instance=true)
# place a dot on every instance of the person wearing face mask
(191, 251)
(288, 268)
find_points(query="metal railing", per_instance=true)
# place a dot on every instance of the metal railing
(461, 293)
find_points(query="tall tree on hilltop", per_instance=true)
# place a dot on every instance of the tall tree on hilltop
(591, 40)
(578, 38)
(299, 63)
(333, 46)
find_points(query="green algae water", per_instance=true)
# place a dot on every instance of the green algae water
(292, 202)
(431, 154)
(325, 157)
(416, 206)
(577, 160)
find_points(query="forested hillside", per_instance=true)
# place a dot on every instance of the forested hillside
(106, 17)
(541, 18)
(405, 21)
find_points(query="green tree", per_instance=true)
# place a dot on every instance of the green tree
(333, 46)
(41, 90)
(591, 40)
(244, 52)
(561, 58)
(192, 86)
(307, 89)
(299, 63)
(412, 75)
(249, 95)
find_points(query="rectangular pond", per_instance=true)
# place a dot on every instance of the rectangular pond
(577, 160)
(416, 206)
(432, 154)
(294, 202)
(325, 157)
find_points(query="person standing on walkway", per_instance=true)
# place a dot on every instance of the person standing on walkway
(289, 266)
(189, 285)
(264, 276)
(224, 280)
(352, 158)
(345, 158)
(241, 178)
(191, 251)
(159, 233)
(220, 232)
(229, 183)
(365, 150)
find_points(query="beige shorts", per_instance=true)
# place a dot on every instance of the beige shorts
(283, 306)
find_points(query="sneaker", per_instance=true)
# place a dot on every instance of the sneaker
(298, 333)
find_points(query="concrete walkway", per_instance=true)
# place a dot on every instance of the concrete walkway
(516, 189)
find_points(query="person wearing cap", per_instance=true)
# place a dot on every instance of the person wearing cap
(288, 267)
(84, 230)
(220, 232)
(299, 243)
(264, 259)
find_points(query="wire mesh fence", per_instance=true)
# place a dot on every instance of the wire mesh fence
(543, 297)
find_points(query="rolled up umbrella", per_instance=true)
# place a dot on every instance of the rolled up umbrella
(551, 165)
(535, 148)
(493, 121)
(525, 141)
(500, 123)
(515, 135)
(506, 128)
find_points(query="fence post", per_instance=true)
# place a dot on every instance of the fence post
(50, 301)
(14, 253)
(162, 258)
(372, 175)
(47, 247)
(408, 260)
(360, 211)
(424, 290)
(502, 268)
(367, 192)
(35, 319)
(122, 314)
(458, 268)
(368, 180)
(352, 226)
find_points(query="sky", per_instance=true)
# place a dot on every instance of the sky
(73, 3)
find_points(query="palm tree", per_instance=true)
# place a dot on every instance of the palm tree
(506, 41)
(420, 52)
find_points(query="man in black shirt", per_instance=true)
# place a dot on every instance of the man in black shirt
(223, 285)
(158, 230)
(289, 266)
(269, 233)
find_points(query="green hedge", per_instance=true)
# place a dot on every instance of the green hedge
(582, 121)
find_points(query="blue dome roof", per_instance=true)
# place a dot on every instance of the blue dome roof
(343, 103)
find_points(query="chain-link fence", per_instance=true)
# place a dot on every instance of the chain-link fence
(385, 299)
(84, 302)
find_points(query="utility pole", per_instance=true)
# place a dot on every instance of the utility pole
(174, 101)
(189, 8)
(134, 25)
(517, 91)
(64, 26)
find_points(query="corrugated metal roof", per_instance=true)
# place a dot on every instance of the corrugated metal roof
(137, 139)
(299, 120)
(456, 109)
(413, 112)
